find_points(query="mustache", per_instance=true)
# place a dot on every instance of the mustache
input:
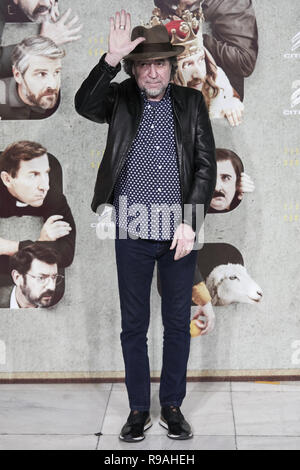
(218, 194)
(47, 293)
(50, 91)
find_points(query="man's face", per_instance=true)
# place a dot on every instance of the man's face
(31, 182)
(225, 186)
(38, 285)
(152, 76)
(41, 82)
(193, 70)
(36, 10)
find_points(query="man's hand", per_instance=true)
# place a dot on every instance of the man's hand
(119, 41)
(207, 312)
(8, 247)
(233, 111)
(245, 185)
(184, 238)
(60, 31)
(54, 228)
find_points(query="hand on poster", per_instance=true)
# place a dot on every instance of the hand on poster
(119, 41)
(183, 240)
(202, 328)
(59, 30)
(54, 228)
(233, 110)
(245, 185)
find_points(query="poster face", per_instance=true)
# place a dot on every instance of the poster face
(59, 298)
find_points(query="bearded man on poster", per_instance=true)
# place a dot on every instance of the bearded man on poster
(160, 152)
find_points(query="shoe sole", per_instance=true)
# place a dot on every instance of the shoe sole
(174, 436)
(137, 439)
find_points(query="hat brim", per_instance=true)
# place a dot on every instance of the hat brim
(177, 50)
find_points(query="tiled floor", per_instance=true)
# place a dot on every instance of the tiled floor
(227, 416)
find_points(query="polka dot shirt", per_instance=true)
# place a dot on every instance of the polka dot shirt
(147, 196)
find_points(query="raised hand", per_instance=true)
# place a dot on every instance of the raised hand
(59, 30)
(119, 41)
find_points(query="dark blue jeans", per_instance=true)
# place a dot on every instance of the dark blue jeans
(135, 264)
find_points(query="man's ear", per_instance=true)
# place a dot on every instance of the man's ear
(17, 278)
(6, 178)
(16, 2)
(17, 75)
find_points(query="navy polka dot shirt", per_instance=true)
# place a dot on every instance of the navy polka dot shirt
(147, 196)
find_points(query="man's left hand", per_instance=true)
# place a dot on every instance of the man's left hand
(184, 238)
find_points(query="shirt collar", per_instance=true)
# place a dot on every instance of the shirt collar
(13, 299)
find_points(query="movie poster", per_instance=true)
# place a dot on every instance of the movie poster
(60, 308)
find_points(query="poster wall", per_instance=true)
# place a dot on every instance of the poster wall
(59, 303)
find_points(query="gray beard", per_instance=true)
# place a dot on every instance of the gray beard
(155, 93)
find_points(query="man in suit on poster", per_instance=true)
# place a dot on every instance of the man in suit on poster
(152, 163)
(31, 185)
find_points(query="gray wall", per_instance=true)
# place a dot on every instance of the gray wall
(80, 336)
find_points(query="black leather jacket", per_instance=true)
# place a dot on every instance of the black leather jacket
(121, 106)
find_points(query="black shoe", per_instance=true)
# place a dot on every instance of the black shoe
(173, 420)
(137, 423)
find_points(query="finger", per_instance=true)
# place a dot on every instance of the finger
(73, 21)
(128, 22)
(118, 20)
(60, 233)
(53, 218)
(235, 118)
(75, 30)
(174, 242)
(71, 39)
(177, 253)
(65, 16)
(123, 18)
(230, 119)
(61, 224)
(112, 24)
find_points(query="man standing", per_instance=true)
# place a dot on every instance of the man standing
(160, 155)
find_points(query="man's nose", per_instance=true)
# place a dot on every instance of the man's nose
(52, 81)
(219, 185)
(152, 71)
(44, 183)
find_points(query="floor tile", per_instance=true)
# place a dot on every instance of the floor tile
(37, 442)
(265, 387)
(268, 443)
(164, 443)
(209, 413)
(52, 410)
(208, 387)
(267, 413)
